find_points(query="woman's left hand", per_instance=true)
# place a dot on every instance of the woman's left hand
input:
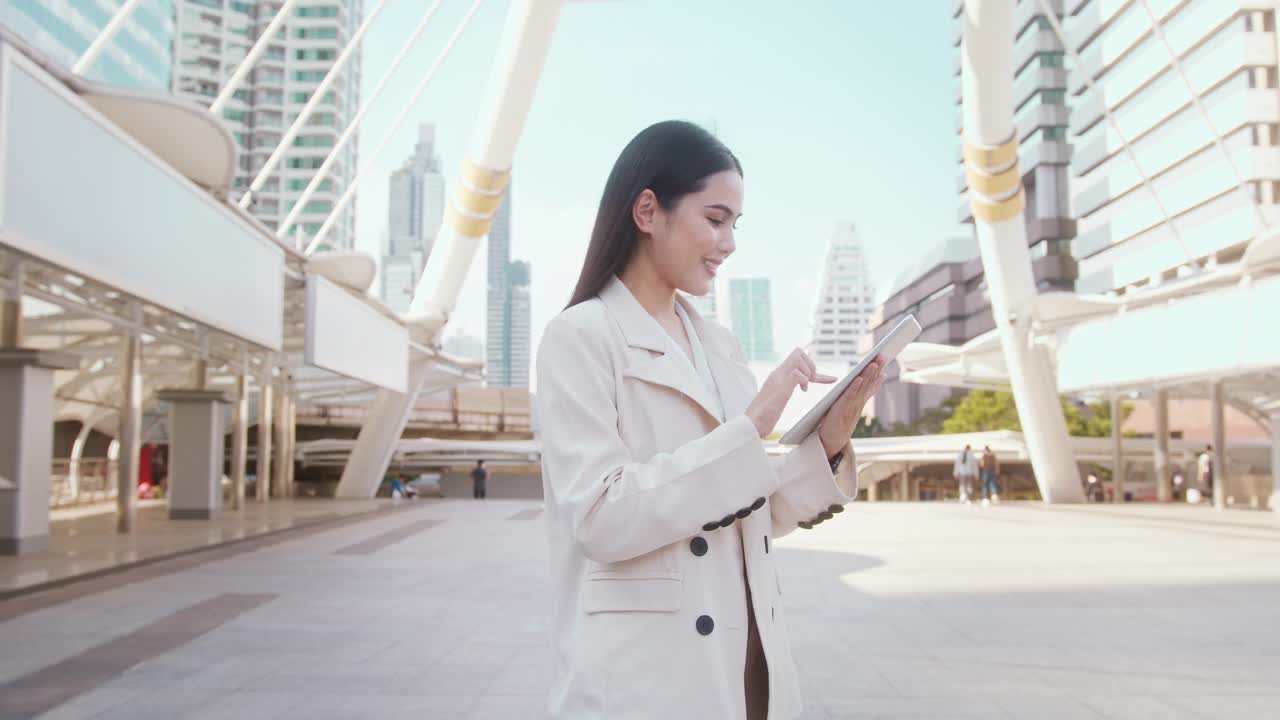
(843, 416)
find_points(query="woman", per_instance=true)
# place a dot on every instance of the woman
(661, 503)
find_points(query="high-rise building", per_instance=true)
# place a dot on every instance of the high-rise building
(139, 56)
(945, 290)
(463, 345)
(498, 370)
(1205, 182)
(213, 36)
(415, 208)
(751, 314)
(520, 318)
(845, 298)
(705, 305)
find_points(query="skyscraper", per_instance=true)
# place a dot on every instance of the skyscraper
(213, 36)
(519, 320)
(705, 305)
(845, 297)
(751, 313)
(139, 56)
(415, 208)
(498, 299)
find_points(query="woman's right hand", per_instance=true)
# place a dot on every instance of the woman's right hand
(767, 407)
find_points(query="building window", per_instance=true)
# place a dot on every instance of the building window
(309, 75)
(328, 33)
(1054, 97)
(313, 141)
(236, 115)
(315, 54)
(1055, 133)
(300, 185)
(317, 12)
(1051, 59)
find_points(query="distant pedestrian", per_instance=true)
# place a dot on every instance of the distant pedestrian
(478, 478)
(990, 473)
(966, 472)
(1205, 467)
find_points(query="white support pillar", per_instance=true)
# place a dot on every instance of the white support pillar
(873, 492)
(1117, 448)
(904, 484)
(264, 436)
(1217, 418)
(1275, 462)
(1164, 481)
(196, 452)
(473, 202)
(377, 440)
(130, 434)
(239, 439)
(996, 196)
(26, 446)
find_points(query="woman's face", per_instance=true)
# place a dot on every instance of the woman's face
(688, 243)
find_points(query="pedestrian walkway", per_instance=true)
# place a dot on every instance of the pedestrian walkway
(895, 610)
(83, 541)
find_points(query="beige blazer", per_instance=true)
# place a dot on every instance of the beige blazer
(644, 490)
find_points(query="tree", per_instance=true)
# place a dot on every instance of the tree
(983, 411)
(868, 428)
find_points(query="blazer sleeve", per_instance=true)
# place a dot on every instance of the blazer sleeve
(621, 507)
(809, 492)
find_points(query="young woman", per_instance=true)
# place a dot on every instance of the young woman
(661, 503)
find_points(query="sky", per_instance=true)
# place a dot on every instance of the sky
(840, 110)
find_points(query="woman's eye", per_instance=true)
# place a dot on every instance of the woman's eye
(715, 222)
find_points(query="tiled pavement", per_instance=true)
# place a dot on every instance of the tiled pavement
(896, 610)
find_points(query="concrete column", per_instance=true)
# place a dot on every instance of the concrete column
(200, 374)
(26, 446)
(11, 311)
(1164, 482)
(280, 485)
(873, 492)
(239, 439)
(1117, 448)
(196, 452)
(130, 433)
(1275, 462)
(1218, 420)
(904, 484)
(265, 402)
(293, 441)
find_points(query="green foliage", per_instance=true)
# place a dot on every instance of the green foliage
(987, 410)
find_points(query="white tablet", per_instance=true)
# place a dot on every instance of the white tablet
(887, 349)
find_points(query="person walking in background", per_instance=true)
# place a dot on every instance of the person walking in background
(990, 471)
(966, 472)
(478, 478)
(1205, 466)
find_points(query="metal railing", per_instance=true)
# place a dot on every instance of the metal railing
(96, 482)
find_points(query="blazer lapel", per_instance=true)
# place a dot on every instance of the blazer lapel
(641, 330)
(733, 379)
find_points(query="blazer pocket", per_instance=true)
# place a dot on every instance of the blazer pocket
(619, 593)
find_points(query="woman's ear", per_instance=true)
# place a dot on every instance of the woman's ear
(644, 211)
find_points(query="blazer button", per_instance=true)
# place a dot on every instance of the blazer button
(825, 515)
(805, 524)
(728, 520)
(759, 503)
(836, 508)
(705, 625)
(743, 513)
(711, 526)
(698, 546)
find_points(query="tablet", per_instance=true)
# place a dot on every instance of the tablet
(888, 348)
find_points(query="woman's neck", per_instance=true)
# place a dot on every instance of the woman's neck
(654, 295)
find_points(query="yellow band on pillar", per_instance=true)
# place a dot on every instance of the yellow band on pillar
(475, 202)
(999, 156)
(484, 179)
(994, 212)
(465, 226)
(993, 184)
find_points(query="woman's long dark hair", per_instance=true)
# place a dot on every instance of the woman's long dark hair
(671, 158)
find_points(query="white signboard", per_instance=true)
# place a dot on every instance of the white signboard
(349, 336)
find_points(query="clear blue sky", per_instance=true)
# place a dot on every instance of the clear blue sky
(838, 109)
